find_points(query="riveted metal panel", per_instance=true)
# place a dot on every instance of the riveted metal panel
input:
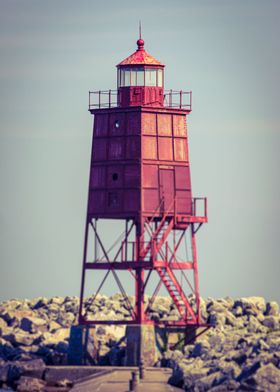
(101, 125)
(150, 176)
(132, 176)
(148, 123)
(99, 150)
(132, 201)
(116, 148)
(96, 201)
(133, 123)
(149, 148)
(165, 148)
(98, 177)
(114, 200)
(150, 200)
(179, 126)
(182, 177)
(180, 149)
(133, 147)
(164, 124)
(167, 185)
(184, 202)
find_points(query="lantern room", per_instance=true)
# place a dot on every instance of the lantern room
(140, 79)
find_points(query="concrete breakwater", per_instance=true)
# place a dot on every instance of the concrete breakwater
(241, 351)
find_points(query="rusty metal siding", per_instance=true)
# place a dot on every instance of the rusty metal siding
(150, 200)
(184, 202)
(133, 123)
(133, 147)
(149, 147)
(149, 123)
(165, 148)
(180, 149)
(116, 149)
(179, 126)
(182, 177)
(101, 125)
(99, 150)
(132, 176)
(166, 187)
(164, 124)
(150, 176)
(96, 201)
(131, 201)
(98, 177)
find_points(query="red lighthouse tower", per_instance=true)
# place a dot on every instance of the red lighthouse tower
(140, 175)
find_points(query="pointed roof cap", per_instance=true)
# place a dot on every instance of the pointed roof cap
(140, 57)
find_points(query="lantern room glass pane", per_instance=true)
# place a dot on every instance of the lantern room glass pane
(133, 77)
(127, 77)
(160, 78)
(140, 77)
(137, 77)
(151, 77)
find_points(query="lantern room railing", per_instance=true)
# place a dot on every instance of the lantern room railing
(103, 99)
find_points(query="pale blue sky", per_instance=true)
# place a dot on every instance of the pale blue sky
(53, 52)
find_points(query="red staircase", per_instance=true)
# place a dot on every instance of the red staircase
(158, 237)
(173, 287)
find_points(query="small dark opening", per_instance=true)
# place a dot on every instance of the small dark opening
(115, 176)
(117, 124)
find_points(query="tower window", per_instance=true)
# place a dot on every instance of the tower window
(140, 76)
(117, 124)
(115, 176)
(113, 199)
(151, 77)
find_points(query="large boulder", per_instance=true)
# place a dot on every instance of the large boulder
(272, 309)
(30, 384)
(33, 324)
(266, 378)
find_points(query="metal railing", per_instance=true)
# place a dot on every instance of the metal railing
(199, 206)
(104, 99)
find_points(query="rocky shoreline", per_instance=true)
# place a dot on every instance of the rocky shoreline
(241, 351)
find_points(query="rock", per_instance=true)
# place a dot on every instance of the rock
(266, 378)
(38, 303)
(272, 309)
(194, 373)
(4, 373)
(30, 384)
(19, 338)
(216, 319)
(66, 319)
(59, 335)
(200, 349)
(57, 300)
(3, 325)
(226, 384)
(253, 324)
(33, 324)
(248, 371)
(64, 383)
(271, 322)
(206, 382)
(54, 326)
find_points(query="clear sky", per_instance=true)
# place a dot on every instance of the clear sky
(52, 52)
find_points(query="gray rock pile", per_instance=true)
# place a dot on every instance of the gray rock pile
(241, 351)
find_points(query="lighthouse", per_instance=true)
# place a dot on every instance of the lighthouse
(140, 178)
